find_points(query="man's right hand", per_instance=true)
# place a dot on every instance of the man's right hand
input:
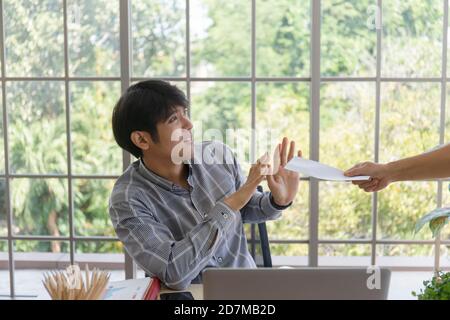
(257, 173)
(379, 174)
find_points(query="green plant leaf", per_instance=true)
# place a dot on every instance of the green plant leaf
(438, 288)
(437, 224)
(436, 218)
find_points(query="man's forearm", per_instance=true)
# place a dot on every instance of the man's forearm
(430, 165)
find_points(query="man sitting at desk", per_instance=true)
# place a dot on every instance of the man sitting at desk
(174, 214)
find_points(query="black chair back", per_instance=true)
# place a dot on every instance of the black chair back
(264, 241)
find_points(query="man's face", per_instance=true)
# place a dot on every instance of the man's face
(175, 136)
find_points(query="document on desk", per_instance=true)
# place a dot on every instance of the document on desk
(320, 171)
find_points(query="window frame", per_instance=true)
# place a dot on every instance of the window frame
(314, 80)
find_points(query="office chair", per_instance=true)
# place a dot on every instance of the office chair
(264, 241)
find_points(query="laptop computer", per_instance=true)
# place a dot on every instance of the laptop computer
(323, 283)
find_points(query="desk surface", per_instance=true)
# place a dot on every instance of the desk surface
(195, 289)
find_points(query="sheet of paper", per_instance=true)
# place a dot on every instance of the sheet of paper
(320, 171)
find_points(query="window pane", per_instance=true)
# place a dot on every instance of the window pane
(180, 85)
(283, 254)
(34, 37)
(94, 149)
(347, 130)
(93, 32)
(91, 207)
(348, 38)
(445, 233)
(410, 119)
(37, 127)
(3, 213)
(248, 234)
(347, 118)
(274, 102)
(105, 255)
(294, 222)
(409, 125)
(2, 146)
(401, 206)
(282, 38)
(283, 108)
(221, 37)
(448, 48)
(446, 194)
(445, 256)
(32, 259)
(447, 118)
(4, 269)
(344, 254)
(287, 254)
(222, 111)
(405, 255)
(102, 248)
(158, 37)
(40, 206)
(345, 212)
(412, 38)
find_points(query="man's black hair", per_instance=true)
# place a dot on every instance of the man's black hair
(141, 108)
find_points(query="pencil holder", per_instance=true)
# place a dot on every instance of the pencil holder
(71, 285)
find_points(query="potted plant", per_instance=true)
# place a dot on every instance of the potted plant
(438, 288)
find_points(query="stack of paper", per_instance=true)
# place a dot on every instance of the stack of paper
(134, 289)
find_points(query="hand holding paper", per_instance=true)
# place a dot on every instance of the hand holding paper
(320, 171)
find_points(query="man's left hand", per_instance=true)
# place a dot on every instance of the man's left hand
(283, 183)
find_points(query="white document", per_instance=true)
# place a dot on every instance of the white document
(133, 289)
(320, 171)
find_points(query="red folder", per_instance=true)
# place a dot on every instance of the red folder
(153, 290)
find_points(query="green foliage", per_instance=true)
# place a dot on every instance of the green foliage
(158, 35)
(416, 27)
(37, 124)
(436, 219)
(217, 49)
(34, 37)
(93, 32)
(220, 46)
(438, 288)
(348, 44)
(409, 118)
(94, 148)
(283, 49)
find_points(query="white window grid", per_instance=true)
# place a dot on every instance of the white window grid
(315, 79)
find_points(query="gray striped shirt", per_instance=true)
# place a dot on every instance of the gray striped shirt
(170, 231)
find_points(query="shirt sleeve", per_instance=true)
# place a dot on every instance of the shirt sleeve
(153, 247)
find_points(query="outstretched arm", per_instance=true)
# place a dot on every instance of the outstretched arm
(429, 165)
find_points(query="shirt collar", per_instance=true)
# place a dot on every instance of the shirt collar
(160, 181)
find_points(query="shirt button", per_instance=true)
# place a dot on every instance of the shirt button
(225, 215)
(219, 259)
